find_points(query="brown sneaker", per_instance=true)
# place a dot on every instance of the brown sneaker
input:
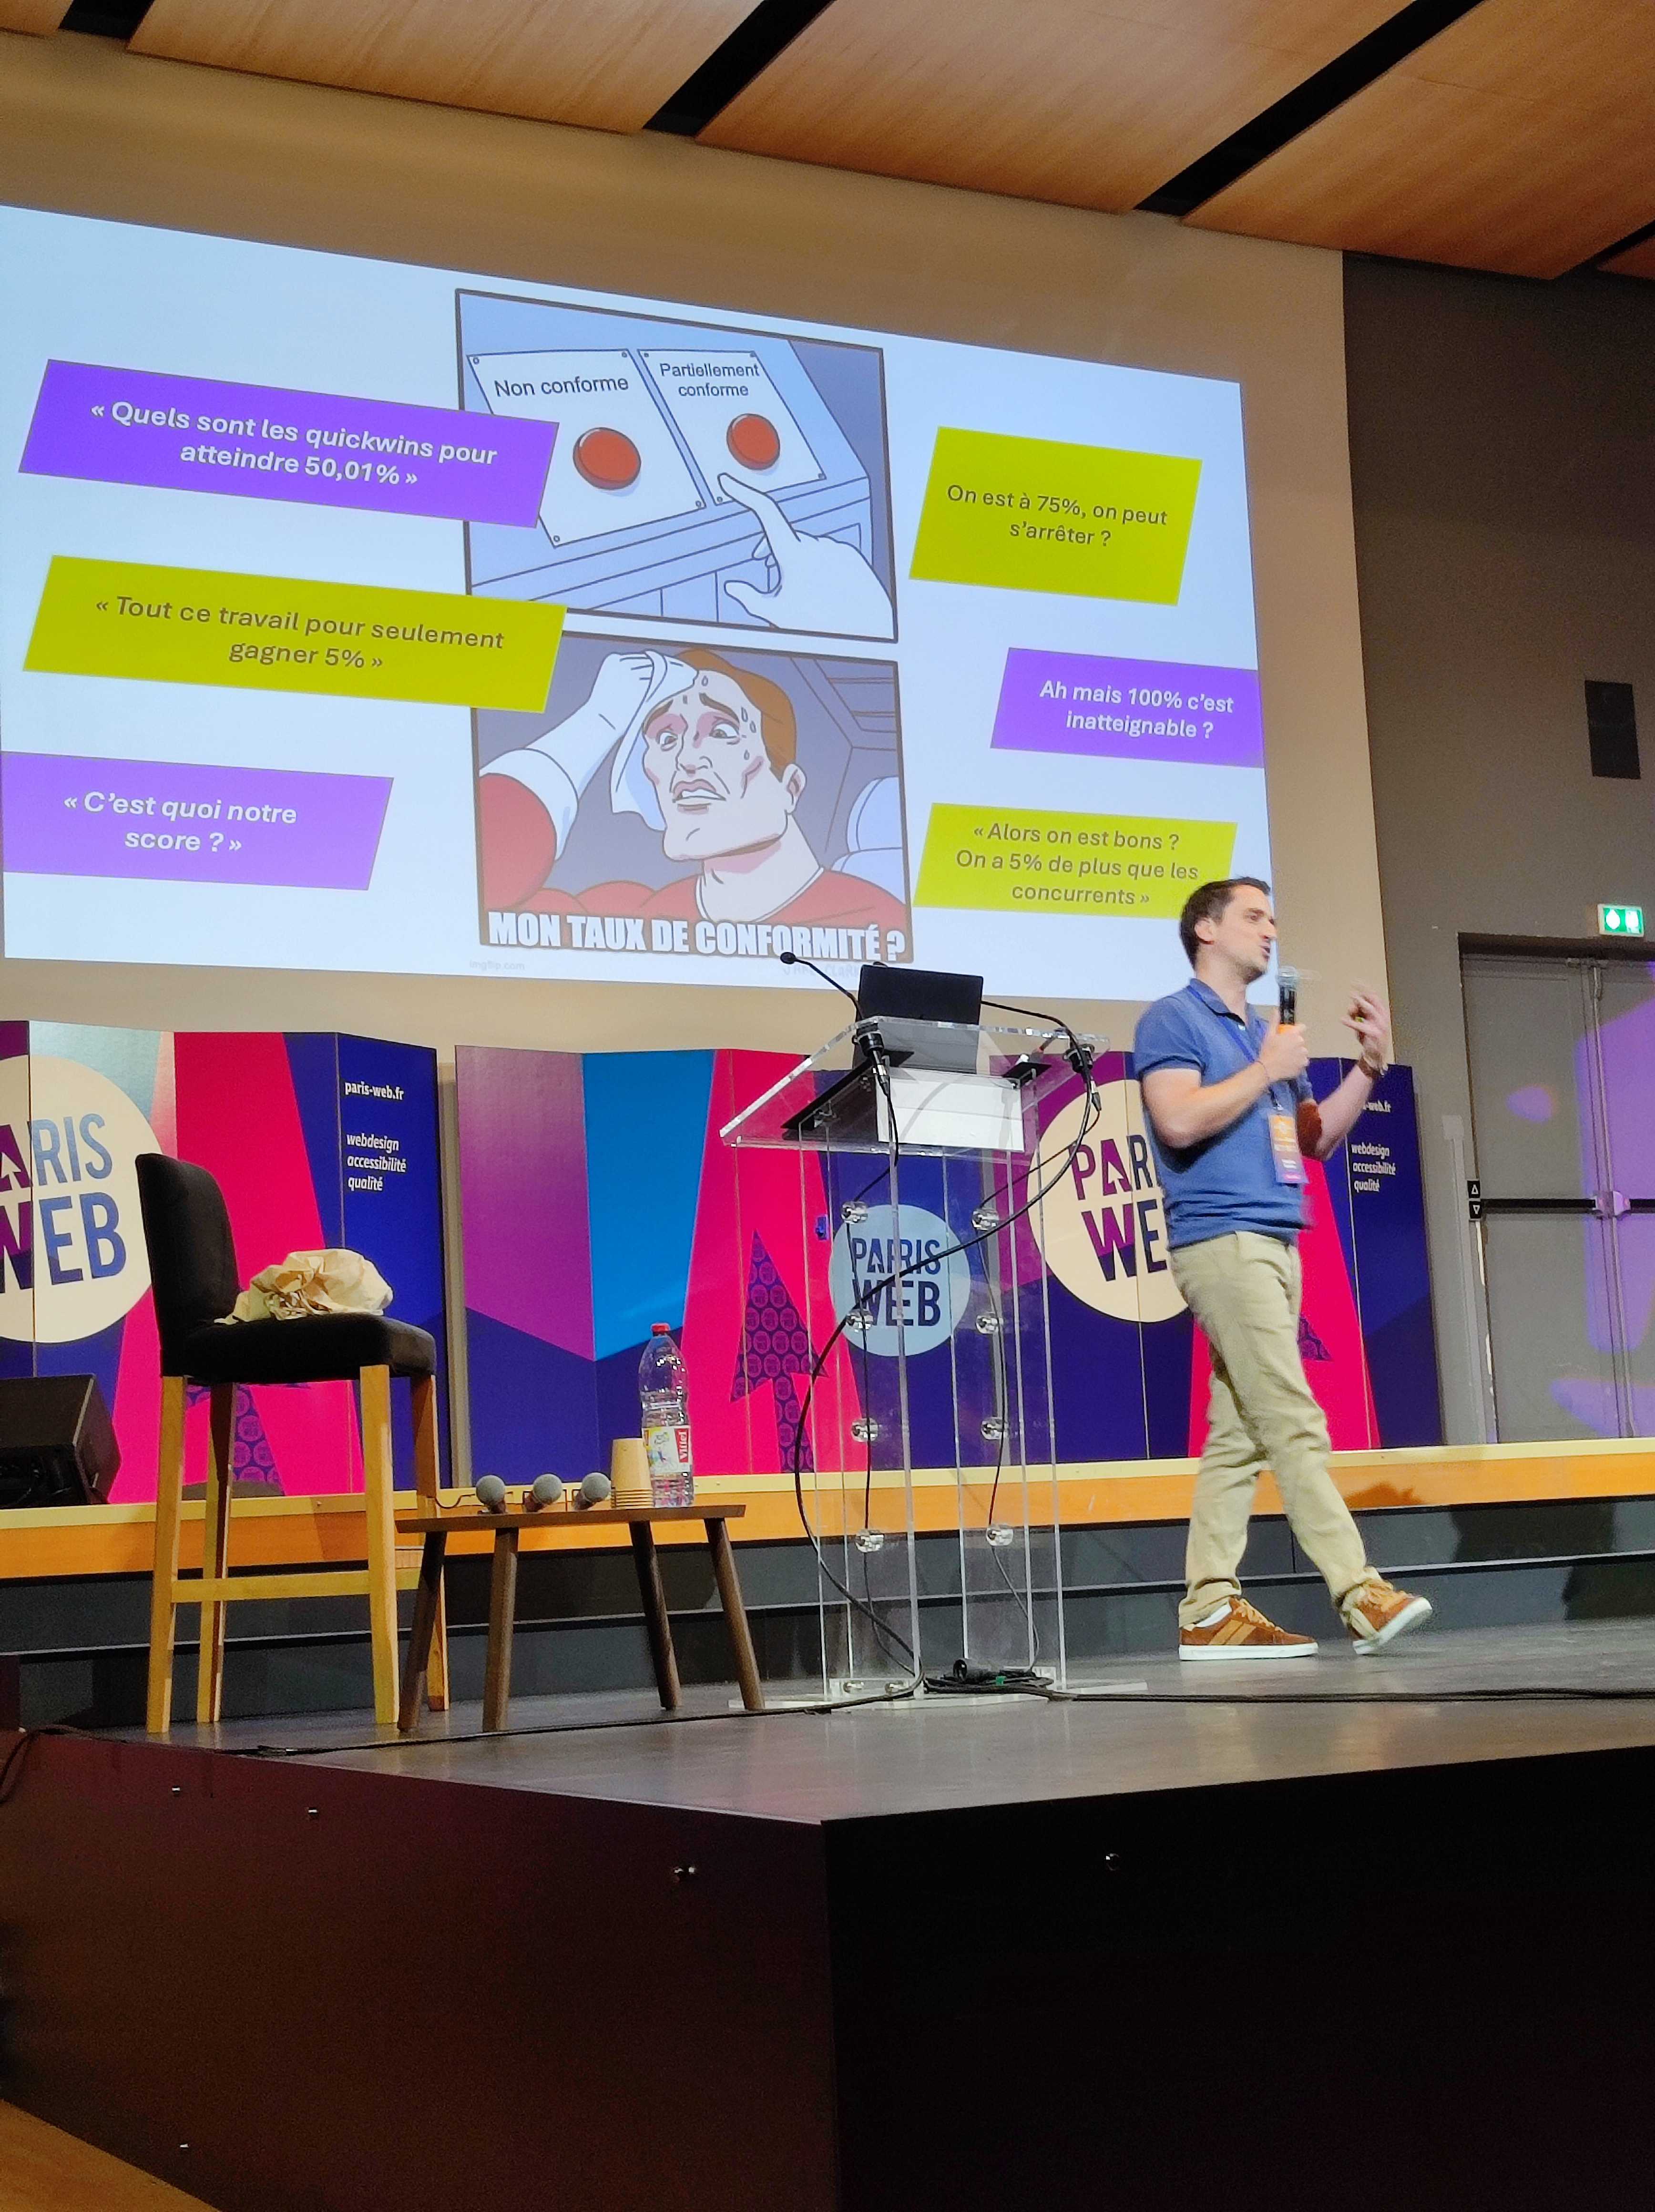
(1379, 1612)
(1240, 1631)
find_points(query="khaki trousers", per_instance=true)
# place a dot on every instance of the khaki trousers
(1244, 1289)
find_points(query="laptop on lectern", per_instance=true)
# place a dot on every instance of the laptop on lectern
(908, 1003)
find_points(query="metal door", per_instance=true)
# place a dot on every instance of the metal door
(1561, 1054)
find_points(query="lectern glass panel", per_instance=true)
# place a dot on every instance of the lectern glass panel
(924, 1457)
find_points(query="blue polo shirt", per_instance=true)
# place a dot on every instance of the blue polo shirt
(1228, 1183)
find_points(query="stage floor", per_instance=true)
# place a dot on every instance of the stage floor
(1436, 1699)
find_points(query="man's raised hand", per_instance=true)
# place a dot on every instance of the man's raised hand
(1370, 1018)
(628, 684)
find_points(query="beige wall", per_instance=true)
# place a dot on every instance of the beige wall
(1503, 449)
(88, 128)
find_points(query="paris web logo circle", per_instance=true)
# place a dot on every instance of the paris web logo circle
(1102, 1225)
(927, 1302)
(72, 1256)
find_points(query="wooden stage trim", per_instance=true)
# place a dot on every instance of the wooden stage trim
(269, 1532)
(46, 2170)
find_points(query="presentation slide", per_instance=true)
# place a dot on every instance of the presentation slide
(362, 615)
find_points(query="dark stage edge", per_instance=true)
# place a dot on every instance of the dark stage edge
(1278, 1944)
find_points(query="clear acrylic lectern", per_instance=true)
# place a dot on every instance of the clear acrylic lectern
(920, 1179)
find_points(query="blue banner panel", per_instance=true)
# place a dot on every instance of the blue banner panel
(532, 1410)
(313, 1062)
(645, 1133)
(1392, 1267)
(392, 1209)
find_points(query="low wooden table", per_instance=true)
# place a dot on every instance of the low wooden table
(507, 1527)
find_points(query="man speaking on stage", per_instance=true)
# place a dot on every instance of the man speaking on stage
(1230, 1113)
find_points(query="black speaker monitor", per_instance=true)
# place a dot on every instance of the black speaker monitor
(56, 1442)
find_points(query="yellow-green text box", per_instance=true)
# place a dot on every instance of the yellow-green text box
(1027, 859)
(291, 633)
(1029, 514)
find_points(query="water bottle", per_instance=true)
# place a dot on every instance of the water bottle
(663, 1395)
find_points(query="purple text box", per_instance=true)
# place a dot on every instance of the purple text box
(1160, 710)
(170, 821)
(131, 426)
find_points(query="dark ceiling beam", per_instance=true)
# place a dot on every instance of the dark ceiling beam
(1330, 87)
(1640, 237)
(106, 19)
(731, 68)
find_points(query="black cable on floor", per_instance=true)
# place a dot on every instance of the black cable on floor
(1553, 1695)
(11, 1773)
(828, 1705)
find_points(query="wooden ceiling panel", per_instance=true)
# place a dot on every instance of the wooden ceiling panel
(1090, 105)
(1519, 139)
(606, 63)
(1636, 261)
(1324, 27)
(40, 16)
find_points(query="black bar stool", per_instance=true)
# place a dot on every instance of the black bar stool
(192, 1268)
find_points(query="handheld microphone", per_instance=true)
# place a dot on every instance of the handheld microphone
(798, 960)
(593, 1491)
(546, 1490)
(1286, 1010)
(490, 1493)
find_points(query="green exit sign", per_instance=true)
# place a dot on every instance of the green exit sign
(1619, 921)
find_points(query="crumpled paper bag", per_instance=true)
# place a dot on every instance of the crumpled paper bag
(306, 1283)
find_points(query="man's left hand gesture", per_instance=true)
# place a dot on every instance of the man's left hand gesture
(1370, 1018)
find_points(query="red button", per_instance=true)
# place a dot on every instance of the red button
(754, 441)
(607, 459)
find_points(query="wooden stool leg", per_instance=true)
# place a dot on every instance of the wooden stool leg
(663, 1658)
(375, 1383)
(437, 1678)
(216, 1553)
(735, 1612)
(427, 1603)
(169, 1490)
(502, 1619)
(427, 1474)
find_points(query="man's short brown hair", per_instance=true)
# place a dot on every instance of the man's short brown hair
(778, 725)
(1209, 904)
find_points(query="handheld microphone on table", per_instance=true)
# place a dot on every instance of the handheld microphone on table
(546, 1490)
(798, 960)
(594, 1491)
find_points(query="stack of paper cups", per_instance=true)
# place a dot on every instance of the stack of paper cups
(629, 1471)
